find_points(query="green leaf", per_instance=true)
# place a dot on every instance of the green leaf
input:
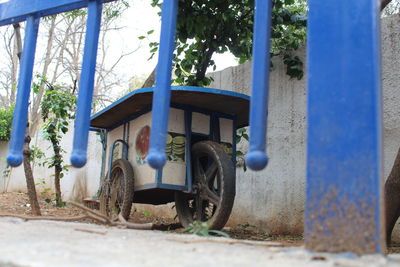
(146, 213)
(239, 153)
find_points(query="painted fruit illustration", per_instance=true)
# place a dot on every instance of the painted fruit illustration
(142, 142)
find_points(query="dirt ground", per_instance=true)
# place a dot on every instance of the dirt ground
(18, 203)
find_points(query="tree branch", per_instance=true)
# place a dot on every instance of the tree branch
(384, 3)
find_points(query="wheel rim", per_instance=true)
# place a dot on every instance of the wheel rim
(207, 188)
(116, 193)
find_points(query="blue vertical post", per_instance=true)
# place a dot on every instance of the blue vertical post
(20, 118)
(344, 198)
(86, 84)
(162, 91)
(257, 159)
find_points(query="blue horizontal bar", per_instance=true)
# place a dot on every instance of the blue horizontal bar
(18, 10)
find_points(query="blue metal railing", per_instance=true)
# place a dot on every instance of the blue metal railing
(256, 158)
(344, 117)
(344, 160)
(15, 11)
(86, 83)
(162, 96)
(20, 118)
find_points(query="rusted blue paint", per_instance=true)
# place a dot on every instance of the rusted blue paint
(344, 151)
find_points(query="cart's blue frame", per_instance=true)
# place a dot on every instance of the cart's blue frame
(188, 109)
(344, 149)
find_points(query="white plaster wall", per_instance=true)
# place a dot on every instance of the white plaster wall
(273, 199)
(76, 184)
(391, 96)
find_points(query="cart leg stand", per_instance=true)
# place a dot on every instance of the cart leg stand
(86, 83)
(257, 159)
(20, 119)
(344, 195)
(162, 92)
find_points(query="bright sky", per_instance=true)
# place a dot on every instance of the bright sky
(136, 21)
(139, 19)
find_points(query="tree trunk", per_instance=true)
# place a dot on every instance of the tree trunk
(30, 182)
(35, 116)
(57, 168)
(384, 3)
(392, 197)
(150, 80)
(203, 64)
(57, 186)
(15, 59)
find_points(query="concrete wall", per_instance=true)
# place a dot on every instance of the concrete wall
(273, 199)
(76, 184)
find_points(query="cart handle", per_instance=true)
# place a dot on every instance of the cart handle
(110, 157)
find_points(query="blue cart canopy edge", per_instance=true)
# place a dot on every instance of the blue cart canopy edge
(209, 99)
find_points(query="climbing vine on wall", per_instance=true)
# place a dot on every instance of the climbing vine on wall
(58, 109)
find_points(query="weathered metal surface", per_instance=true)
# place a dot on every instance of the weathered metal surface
(344, 162)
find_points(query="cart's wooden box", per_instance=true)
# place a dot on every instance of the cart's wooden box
(196, 114)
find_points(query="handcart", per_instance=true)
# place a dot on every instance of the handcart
(199, 175)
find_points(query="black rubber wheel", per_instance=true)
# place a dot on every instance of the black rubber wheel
(213, 194)
(116, 196)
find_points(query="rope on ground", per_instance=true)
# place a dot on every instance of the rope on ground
(90, 231)
(45, 218)
(90, 214)
(229, 242)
